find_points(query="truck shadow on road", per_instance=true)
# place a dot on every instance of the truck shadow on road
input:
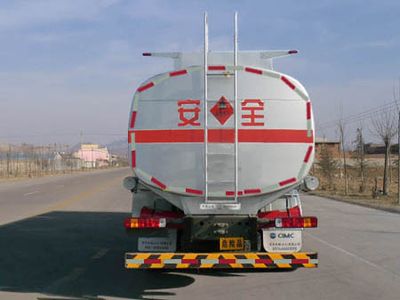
(76, 254)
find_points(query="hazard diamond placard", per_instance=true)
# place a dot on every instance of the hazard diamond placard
(222, 110)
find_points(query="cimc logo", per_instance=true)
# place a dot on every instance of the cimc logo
(286, 235)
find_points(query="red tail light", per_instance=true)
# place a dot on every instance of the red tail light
(146, 212)
(130, 223)
(296, 222)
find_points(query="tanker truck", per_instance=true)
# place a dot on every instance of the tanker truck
(219, 148)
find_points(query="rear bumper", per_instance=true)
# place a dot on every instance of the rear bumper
(221, 260)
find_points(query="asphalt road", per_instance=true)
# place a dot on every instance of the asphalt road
(62, 238)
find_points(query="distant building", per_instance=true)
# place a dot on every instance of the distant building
(371, 148)
(65, 161)
(93, 156)
(332, 146)
(4, 147)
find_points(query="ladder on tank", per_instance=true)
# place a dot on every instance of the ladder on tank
(235, 115)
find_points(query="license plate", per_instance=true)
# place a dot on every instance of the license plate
(232, 243)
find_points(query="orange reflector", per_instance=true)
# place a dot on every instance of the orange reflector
(307, 222)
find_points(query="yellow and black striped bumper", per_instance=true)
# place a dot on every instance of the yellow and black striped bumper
(227, 260)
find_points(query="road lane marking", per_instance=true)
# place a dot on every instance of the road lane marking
(352, 255)
(100, 253)
(31, 193)
(70, 277)
(59, 205)
(81, 196)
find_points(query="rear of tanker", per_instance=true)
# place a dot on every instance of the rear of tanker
(219, 148)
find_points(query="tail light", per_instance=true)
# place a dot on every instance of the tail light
(131, 223)
(146, 212)
(296, 222)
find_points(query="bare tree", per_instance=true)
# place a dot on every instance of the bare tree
(342, 132)
(396, 97)
(327, 164)
(384, 126)
(9, 167)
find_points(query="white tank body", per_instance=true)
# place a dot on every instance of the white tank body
(275, 134)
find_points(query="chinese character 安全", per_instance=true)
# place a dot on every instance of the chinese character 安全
(189, 112)
(255, 110)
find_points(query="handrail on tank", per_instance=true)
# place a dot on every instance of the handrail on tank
(205, 108)
(236, 145)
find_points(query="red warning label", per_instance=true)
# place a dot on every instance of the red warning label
(222, 110)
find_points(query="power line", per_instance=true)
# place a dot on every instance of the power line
(360, 116)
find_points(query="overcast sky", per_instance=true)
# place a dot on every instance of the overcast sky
(67, 66)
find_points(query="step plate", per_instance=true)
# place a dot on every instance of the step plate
(221, 260)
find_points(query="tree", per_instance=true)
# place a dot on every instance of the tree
(384, 126)
(327, 164)
(359, 155)
(342, 133)
(396, 97)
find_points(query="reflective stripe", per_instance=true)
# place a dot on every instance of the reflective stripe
(308, 109)
(176, 189)
(282, 261)
(216, 68)
(253, 70)
(134, 261)
(301, 94)
(133, 159)
(209, 261)
(309, 129)
(308, 154)
(223, 136)
(193, 191)
(177, 73)
(133, 119)
(245, 261)
(288, 82)
(145, 87)
(143, 174)
(158, 183)
(302, 170)
(252, 191)
(221, 260)
(287, 181)
(172, 261)
(271, 74)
